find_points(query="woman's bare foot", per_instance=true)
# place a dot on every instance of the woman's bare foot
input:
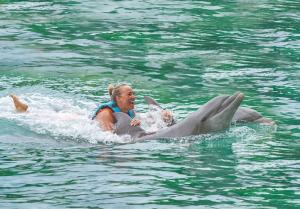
(20, 106)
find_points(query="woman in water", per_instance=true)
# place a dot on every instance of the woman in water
(122, 100)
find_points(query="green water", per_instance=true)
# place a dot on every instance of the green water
(59, 56)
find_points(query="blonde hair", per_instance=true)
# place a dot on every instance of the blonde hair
(114, 90)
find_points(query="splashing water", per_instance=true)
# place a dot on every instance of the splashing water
(66, 117)
(152, 120)
(58, 117)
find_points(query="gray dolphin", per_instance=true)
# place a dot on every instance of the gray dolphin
(215, 115)
(243, 114)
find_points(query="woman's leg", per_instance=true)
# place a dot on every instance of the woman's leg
(20, 106)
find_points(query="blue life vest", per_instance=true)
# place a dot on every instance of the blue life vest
(113, 106)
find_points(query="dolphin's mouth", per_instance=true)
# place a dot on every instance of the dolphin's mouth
(240, 96)
(225, 106)
(232, 102)
(229, 106)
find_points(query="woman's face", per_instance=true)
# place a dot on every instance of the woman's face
(126, 100)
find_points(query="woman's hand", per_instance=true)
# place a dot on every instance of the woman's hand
(135, 122)
(167, 116)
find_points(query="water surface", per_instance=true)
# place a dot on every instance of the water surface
(59, 57)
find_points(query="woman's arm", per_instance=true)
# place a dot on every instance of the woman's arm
(106, 119)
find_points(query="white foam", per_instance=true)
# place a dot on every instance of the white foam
(58, 117)
(152, 121)
(65, 117)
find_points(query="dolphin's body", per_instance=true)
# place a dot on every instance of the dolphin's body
(243, 114)
(215, 115)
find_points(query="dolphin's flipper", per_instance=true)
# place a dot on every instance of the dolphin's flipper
(215, 115)
(151, 101)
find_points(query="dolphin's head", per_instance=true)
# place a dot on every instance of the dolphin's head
(224, 114)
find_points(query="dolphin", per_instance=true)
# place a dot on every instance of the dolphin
(215, 115)
(245, 114)
(242, 115)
